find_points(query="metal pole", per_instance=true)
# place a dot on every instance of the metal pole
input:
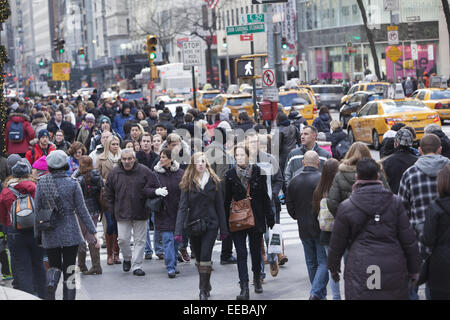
(193, 87)
(252, 51)
(228, 69)
(362, 58)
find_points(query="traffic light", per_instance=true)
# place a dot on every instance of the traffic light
(411, 31)
(284, 43)
(224, 42)
(152, 42)
(41, 63)
(59, 45)
(82, 53)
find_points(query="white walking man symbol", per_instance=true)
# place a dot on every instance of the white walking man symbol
(249, 69)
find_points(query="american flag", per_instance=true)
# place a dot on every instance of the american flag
(212, 4)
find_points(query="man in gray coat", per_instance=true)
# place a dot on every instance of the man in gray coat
(126, 193)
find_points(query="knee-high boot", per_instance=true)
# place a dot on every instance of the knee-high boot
(53, 276)
(69, 290)
(95, 258)
(82, 257)
(116, 250)
(109, 248)
(204, 270)
(245, 292)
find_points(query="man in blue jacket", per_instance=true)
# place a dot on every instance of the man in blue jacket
(121, 119)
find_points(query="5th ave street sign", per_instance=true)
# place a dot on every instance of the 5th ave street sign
(250, 28)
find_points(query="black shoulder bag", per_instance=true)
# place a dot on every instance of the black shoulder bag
(196, 227)
(155, 204)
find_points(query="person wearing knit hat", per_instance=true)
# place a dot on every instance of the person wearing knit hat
(20, 170)
(57, 159)
(41, 148)
(40, 167)
(12, 160)
(403, 157)
(85, 130)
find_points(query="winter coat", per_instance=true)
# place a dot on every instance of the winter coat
(119, 121)
(300, 208)
(83, 136)
(325, 145)
(445, 143)
(37, 152)
(126, 192)
(395, 165)
(19, 147)
(260, 201)
(39, 124)
(91, 190)
(336, 137)
(322, 123)
(7, 197)
(341, 187)
(178, 119)
(67, 127)
(67, 232)
(151, 123)
(142, 158)
(418, 188)
(389, 243)
(104, 166)
(289, 139)
(167, 218)
(245, 126)
(206, 204)
(436, 236)
(64, 145)
(294, 162)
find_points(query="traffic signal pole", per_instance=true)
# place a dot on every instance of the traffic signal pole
(252, 51)
(194, 88)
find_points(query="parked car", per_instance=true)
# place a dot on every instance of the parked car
(128, 95)
(355, 103)
(330, 94)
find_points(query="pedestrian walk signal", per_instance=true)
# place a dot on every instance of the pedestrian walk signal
(245, 68)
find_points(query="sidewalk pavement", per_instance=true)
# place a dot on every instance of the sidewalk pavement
(13, 294)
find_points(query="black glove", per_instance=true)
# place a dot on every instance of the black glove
(335, 276)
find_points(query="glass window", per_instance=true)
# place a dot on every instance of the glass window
(403, 106)
(436, 95)
(365, 110)
(373, 109)
(422, 95)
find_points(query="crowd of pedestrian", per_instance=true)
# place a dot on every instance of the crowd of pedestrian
(136, 168)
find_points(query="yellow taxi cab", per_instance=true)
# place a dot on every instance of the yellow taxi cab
(301, 101)
(378, 87)
(376, 117)
(205, 98)
(237, 103)
(436, 99)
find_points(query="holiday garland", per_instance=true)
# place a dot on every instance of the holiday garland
(5, 12)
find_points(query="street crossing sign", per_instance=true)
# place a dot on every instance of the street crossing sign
(270, 90)
(249, 28)
(269, 78)
(192, 53)
(245, 68)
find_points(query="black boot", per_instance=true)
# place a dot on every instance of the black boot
(204, 271)
(69, 290)
(257, 283)
(245, 292)
(53, 276)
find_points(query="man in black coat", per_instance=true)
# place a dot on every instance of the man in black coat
(59, 123)
(395, 165)
(300, 208)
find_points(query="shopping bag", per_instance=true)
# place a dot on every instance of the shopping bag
(275, 239)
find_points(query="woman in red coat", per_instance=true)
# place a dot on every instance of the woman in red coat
(28, 133)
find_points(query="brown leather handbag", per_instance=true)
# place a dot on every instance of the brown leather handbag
(241, 214)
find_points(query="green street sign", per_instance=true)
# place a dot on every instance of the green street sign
(255, 18)
(251, 28)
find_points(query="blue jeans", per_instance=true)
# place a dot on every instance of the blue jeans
(316, 261)
(335, 288)
(157, 241)
(170, 251)
(111, 224)
(28, 262)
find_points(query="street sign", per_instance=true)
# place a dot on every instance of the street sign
(192, 53)
(245, 69)
(61, 71)
(430, 52)
(392, 37)
(255, 18)
(250, 28)
(414, 51)
(268, 78)
(268, 1)
(247, 37)
(394, 54)
(391, 5)
(270, 93)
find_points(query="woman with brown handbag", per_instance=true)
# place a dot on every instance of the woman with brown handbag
(246, 198)
(201, 213)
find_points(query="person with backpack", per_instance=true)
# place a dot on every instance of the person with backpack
(17, 214)
(383, 253)
(340, 142)
(18, 133)
(42, 148)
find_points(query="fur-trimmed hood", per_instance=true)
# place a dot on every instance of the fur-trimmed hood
(347, 168)
(38, 121)
(21, 115)
(173, 168)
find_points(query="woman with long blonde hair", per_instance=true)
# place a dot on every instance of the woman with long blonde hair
(342, 186)
(201, 213)
(104, 164)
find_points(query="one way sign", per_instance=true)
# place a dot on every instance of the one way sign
(268, 1)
